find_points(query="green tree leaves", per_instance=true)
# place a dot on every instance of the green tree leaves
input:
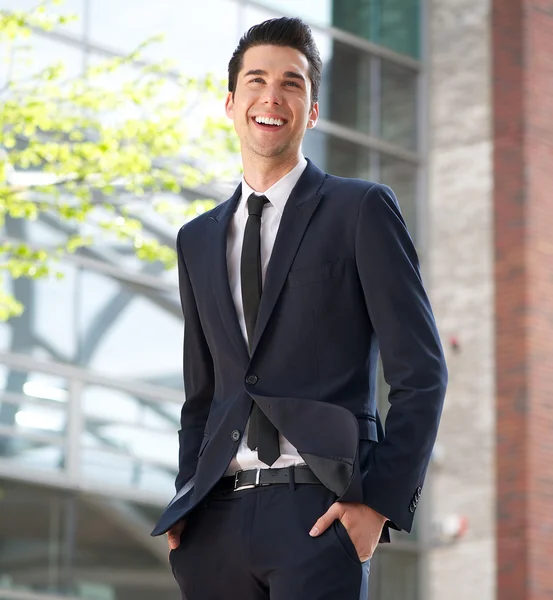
(99, 150)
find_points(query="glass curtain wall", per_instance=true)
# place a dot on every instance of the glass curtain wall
(393, 24)
(117, 318)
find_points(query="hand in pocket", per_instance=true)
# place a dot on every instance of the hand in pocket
(173, 535)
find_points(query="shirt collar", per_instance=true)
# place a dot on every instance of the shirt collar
(280, 191)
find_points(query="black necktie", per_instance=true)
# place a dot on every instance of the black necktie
(262, 434)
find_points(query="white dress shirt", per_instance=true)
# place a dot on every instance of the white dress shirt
(277, 195)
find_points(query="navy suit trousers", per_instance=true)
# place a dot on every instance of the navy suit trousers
(254, 545)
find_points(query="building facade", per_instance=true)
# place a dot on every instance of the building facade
(424, 96)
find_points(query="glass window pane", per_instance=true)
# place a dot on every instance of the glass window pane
(198, 41)
(90, 319)
(394, 575)
(80, 546)
(347, 84)
(398, 105)
(110, 564)
(399, 26)
(128, 330)
(390, 23)
(128, 440)
(337, 156)
(33, 418)
(401, 176)
(31, 551)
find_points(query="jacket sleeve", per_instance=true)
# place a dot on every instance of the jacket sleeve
(411, 353)
(198, 378)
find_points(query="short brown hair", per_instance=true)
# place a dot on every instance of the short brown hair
(285, 31)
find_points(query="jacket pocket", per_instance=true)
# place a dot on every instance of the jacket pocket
(314, 274)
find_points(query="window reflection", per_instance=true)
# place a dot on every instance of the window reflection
(129, 330)
(391, 23)
(90, 319)
(33, 418)
(129, 440)
(400, 26)
(337, 156)
(348, 85)
(401, 176)
(398, 105)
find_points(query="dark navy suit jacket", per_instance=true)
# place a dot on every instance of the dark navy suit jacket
(343, 282)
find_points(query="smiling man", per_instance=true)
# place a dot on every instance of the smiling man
(287, 480)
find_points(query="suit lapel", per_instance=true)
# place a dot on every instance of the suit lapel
(220, 279)
(299, 209)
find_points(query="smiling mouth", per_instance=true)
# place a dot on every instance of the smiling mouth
(269, 123)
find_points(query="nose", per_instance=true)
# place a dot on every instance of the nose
(273, 95)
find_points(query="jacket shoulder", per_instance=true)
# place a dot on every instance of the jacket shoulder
(350, 189)
(194, 230)
(351, 185)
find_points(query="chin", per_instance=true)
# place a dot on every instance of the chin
(270, 151)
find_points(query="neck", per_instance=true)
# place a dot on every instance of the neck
(261, 173)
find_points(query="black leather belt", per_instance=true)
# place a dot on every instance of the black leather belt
(252, 478)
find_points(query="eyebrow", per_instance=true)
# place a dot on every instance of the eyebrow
(288, 74)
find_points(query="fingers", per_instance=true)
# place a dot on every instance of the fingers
(336, 511)
(173, 535)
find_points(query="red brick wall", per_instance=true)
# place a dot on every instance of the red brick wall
(522, 71)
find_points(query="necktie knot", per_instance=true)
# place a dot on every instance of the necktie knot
(256, 204)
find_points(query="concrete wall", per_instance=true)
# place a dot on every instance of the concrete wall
(461, 271)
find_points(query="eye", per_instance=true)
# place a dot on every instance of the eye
(292, 83)
(257, 80)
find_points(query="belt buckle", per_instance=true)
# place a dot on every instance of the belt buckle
(248, 486)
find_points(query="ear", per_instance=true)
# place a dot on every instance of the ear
(313, 116)
(229, 106)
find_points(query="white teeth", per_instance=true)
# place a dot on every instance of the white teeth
(269, 121)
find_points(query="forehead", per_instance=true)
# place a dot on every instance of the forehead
(274, 59)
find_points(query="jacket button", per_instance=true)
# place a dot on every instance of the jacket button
(235, 435)
(412, 508)
(252, 379)
(419, 491)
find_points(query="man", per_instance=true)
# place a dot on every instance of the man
(286, 479)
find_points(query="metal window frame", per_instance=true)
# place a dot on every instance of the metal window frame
(70, 477)
(152, 393)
